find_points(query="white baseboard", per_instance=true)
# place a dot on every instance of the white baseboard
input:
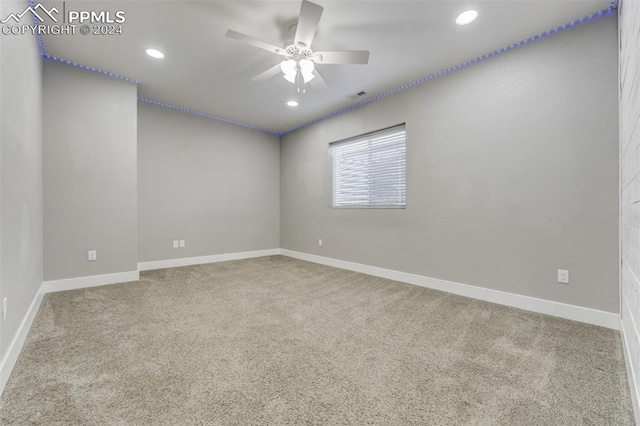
(90, 281)
(562, 310)
(11, 355)
(200, 260)
(634, 387)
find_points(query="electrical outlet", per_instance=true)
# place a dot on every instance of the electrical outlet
(563, 276)
(92, 255)
(181, 243)
(4, 309)
(319, 243)
(176, 244)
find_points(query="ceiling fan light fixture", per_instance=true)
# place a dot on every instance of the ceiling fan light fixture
(306, 69)
(467, 17)
(290, 77)
(289, 69)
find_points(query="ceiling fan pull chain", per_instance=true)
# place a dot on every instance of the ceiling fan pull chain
(299, 79)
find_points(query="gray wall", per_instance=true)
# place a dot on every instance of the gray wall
(511, 174)
(213, 185)
(21, 174)
(630, 184)
(89, 173)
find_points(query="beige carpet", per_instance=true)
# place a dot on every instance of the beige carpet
(280, 341)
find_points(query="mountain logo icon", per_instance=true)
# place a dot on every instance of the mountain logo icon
(39, 11)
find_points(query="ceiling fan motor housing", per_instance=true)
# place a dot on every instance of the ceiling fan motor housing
(296, 53)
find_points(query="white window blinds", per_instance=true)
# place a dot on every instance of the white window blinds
(370, 170)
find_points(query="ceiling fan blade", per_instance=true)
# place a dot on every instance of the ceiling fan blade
(318, 82)
(271, 72)
(254, 42)
(342, 57)
(308, 21)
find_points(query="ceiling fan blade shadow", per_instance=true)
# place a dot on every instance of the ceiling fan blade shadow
(308, 21)
(318, 82)
(342, 57)
(254, 42)
(270, 73)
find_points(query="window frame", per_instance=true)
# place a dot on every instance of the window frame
(368, 135)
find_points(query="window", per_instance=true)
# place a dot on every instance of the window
(370, 170)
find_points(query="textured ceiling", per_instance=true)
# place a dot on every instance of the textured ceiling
(207, 72)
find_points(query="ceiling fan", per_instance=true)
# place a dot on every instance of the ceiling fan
(298, 65)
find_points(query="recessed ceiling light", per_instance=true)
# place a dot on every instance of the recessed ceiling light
(154, 53)
(467, 17)
(292, 103)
